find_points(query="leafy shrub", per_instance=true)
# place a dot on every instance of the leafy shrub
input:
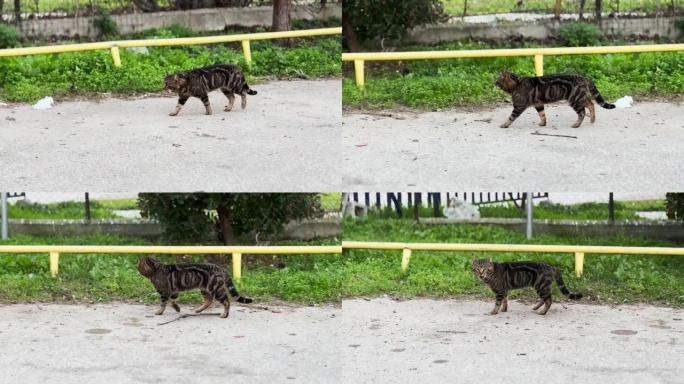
(579, 34)
(31, 77)
(675, 206)
(9, 36)
(105, 24)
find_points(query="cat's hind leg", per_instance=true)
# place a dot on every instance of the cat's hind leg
(243, 100)
(592, 111)
(547, 305)
(504, 305)
(231, 99)
(207, 302)
(517, 111)
(175, 306)
(222, 297)
(543, 288)
(579, 106)
(539, 304)
(542, 114)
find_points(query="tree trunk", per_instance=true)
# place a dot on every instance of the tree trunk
(17, 13)
(2, 8)
(226, 226)
(349, 34)
(281, 19)
(581, 9)
(557, 10)
(599, 5)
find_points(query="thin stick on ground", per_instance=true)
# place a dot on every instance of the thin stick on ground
(537, 133)
(189, 315)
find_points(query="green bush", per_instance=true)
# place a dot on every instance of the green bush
(580, 34)
(431, 84)
(9, 36)
(675, 206)
(105, 24)
(28, 78)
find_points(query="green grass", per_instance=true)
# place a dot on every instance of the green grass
(477, 7)
(584, 211)
(607, 279)
(118, 204)
(329, 278)
(331, 201)
(100, 277)
(29, 78)
(70, 6)
(59, 211)
(436, 84)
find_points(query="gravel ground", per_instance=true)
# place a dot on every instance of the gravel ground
(625, 150)
(287, 139)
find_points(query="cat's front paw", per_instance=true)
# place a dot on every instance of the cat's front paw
(176, 307)
(175, 113)
(505, 125)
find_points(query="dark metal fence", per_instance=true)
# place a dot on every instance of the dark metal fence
(462, 8)
(397, 201)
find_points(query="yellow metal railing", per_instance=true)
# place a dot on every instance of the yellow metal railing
(114, 46)
(236, 251)
(578, 250)
(407, 249)
(359, 59)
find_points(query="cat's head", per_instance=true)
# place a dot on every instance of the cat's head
(147, 266)
(483, 268)
(174, 82)
(507, 80)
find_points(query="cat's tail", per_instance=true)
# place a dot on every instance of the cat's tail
(233, 292)
(597, 96)
(564, 290)
(249, 90)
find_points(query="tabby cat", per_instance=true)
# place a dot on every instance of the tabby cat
(502, 277)
(169, 279)
(199, 82)
(537, 91)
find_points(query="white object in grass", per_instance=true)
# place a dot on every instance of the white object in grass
(44, 103)
(624, 102)
(457, 209)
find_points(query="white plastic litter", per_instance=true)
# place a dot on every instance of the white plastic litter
(139, 50)
(44, 103)
(2, 104)
(624, 102)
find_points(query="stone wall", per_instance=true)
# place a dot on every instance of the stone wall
(208, 19)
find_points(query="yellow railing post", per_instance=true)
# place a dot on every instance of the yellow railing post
(579, 263)
(115, 55)
(54, 263)
(539, 65)
(237, 265)
(247, 51)
(405, 259)
(359, 70)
